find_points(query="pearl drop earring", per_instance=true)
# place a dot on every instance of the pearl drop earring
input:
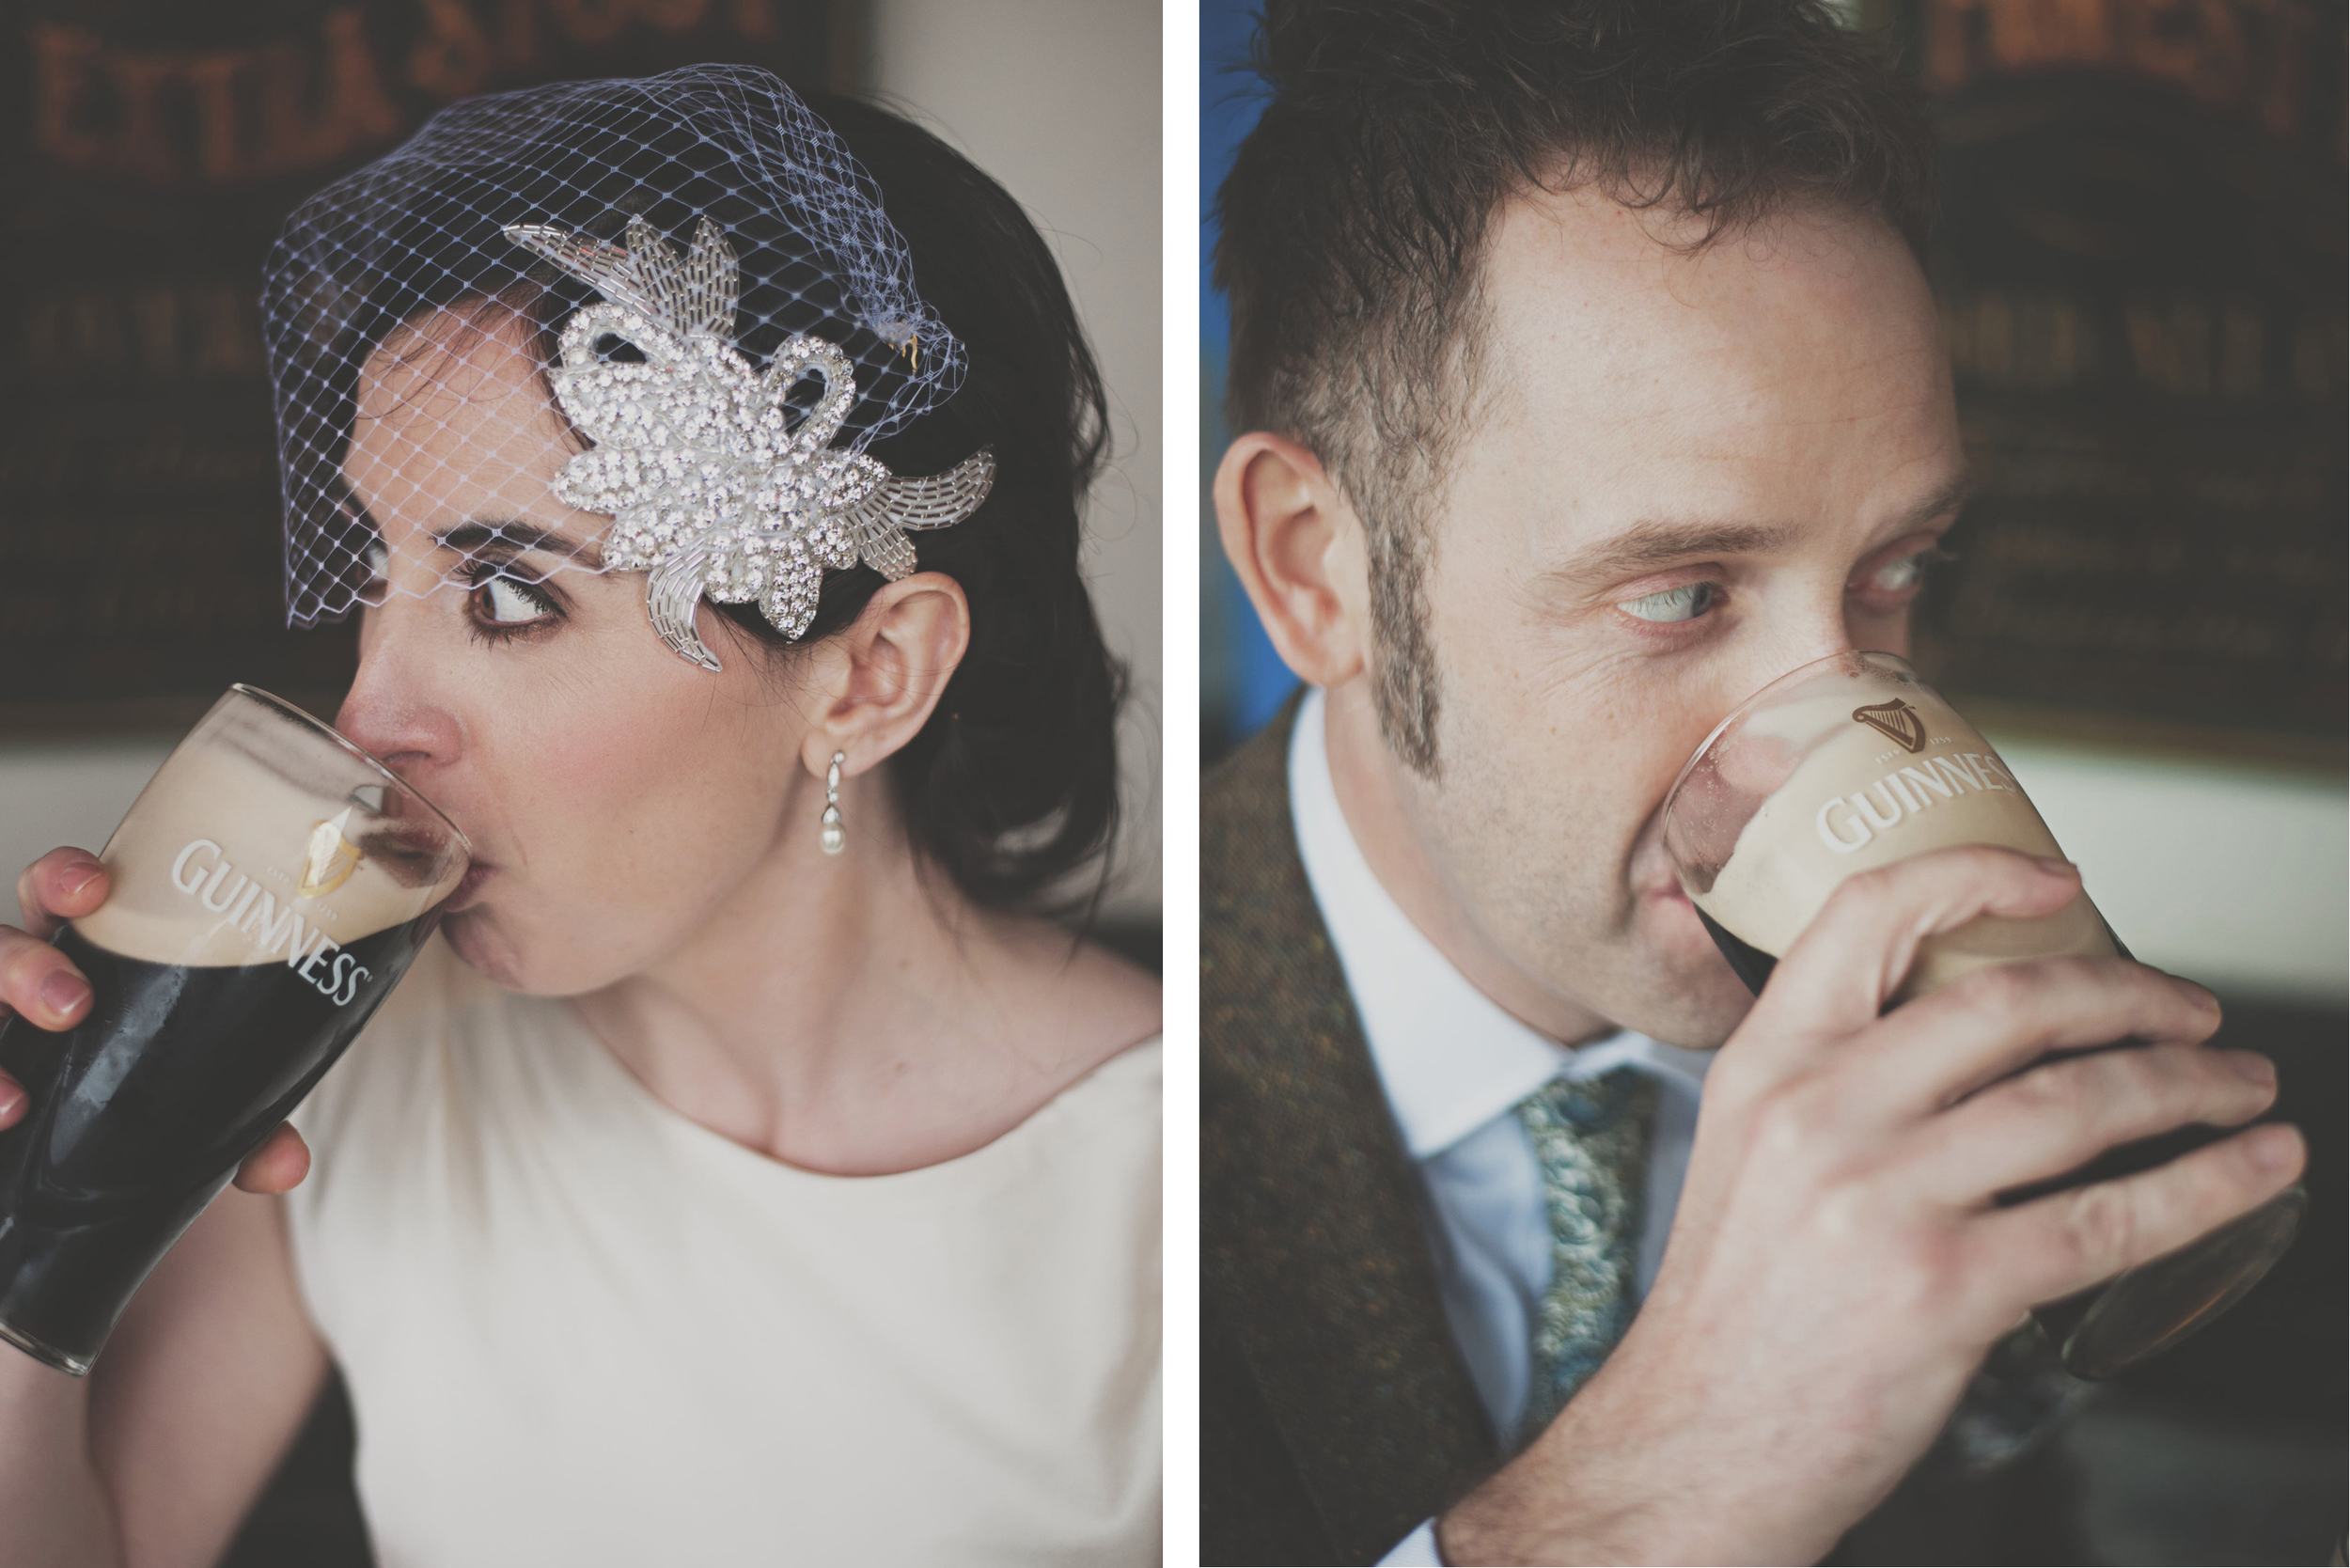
(832, 837)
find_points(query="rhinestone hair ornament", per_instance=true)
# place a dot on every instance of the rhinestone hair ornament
(707, 288)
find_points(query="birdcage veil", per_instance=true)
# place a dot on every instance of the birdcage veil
(701, 276)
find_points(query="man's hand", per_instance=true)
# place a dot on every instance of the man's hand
(1836, 1267)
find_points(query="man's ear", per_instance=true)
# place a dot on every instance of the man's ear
(872, 687)
(1297, 547)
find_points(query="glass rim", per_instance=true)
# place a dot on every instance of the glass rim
(278, 704)
(1672, 795)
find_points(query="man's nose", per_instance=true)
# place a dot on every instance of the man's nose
(1817, 632)
(392, 709)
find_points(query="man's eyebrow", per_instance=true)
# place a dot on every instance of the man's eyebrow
(507, 537)
(1949, 498)
(1646, 546)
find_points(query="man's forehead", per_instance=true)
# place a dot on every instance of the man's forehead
(1625, 376)
(1580, 287)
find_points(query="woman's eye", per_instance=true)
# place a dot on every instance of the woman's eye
(1685, 603)
(378, 586)
(503, 602)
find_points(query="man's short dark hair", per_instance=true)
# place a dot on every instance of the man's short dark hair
(1355, 214)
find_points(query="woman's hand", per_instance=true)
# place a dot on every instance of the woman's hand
(41, 985)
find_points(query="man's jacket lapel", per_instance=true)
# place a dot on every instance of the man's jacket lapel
(1335, 1373)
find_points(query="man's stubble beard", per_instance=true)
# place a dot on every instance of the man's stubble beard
(1498, 825)
(1405, 692)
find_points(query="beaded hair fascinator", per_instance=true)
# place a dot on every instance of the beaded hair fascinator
(705, 281)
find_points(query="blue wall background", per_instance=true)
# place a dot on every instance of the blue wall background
(1242, 680)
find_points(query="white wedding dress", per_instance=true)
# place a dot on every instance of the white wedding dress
(581, 1331)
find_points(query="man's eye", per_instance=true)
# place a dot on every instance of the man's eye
(1686, 602)
(503, 602)
(1900, 576)
(1904, 573)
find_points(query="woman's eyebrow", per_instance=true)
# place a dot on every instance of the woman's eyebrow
(477, 537)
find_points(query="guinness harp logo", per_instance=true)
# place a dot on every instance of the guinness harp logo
(1896, 721)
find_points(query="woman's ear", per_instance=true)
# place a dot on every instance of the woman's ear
(875, 684)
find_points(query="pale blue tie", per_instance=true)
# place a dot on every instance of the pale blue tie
(1593, 1139)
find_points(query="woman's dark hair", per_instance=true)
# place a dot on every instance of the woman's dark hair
(1025, 733)
(1011, 786)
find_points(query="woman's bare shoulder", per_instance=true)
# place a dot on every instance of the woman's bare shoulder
(1082, 1004)
(1068, 1005)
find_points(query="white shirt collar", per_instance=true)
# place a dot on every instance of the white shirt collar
(1450, 1058)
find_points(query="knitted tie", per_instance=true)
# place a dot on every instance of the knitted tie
(1591, 1138)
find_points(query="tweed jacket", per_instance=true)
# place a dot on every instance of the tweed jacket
(1336, 1413)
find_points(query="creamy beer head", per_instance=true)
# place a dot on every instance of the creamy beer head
(273, 842)
(1841, 766)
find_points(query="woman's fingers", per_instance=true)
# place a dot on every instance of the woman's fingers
(63, 885)
(39, 983)
(278, 1164)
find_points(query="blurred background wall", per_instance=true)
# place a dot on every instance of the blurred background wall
(146, 152)
(2139, 259)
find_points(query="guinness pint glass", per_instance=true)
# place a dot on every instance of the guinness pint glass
(1852, 763)
(270, 887)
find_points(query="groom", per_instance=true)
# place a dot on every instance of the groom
(1591, 382)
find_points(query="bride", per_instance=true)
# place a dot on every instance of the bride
(748, 1173)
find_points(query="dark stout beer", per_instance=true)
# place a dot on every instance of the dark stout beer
(2193, 1295)
(1749, 964)
(143, 1111)
(270, 887)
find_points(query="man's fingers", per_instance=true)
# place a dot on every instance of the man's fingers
(2056, 1245)
(2059, 1116)
(62, 885)
(1836, 977)
(39, 983)
(278, 1165)
(1985, 1026)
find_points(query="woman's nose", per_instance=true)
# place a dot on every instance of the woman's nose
(392, 709)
